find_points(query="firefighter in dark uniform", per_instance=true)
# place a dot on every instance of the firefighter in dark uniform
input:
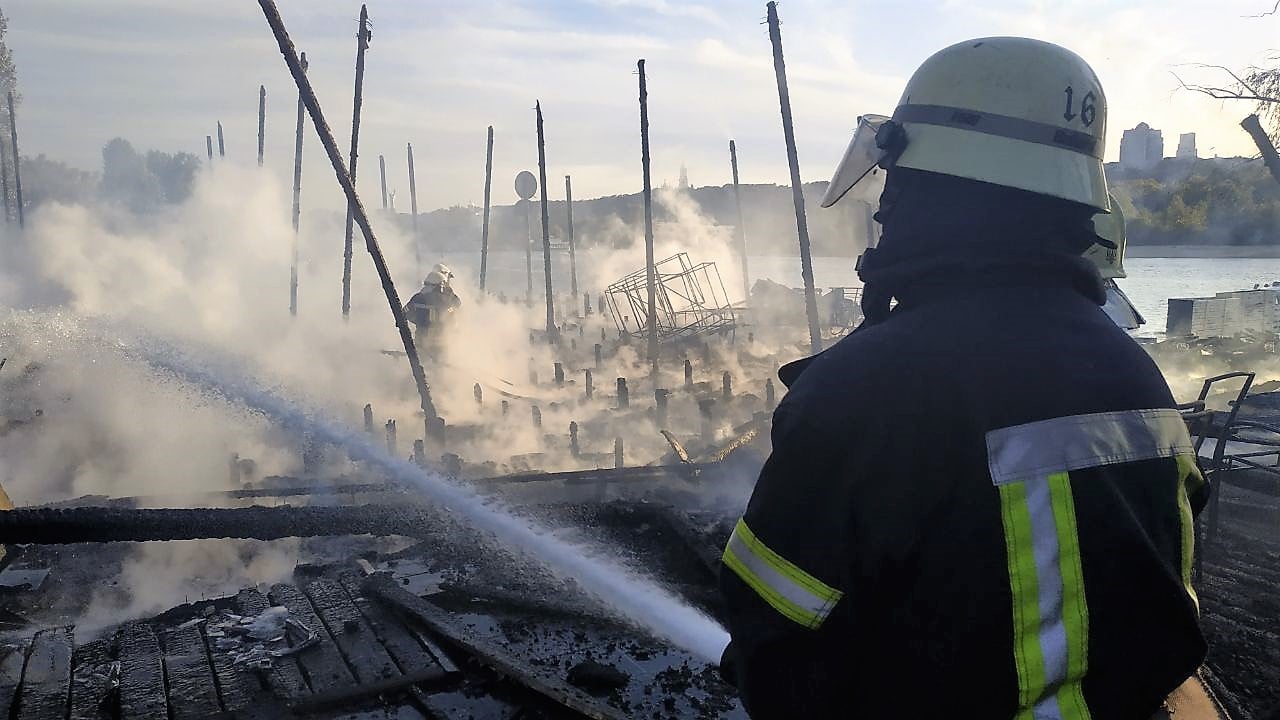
(978, 504)
(431, 309)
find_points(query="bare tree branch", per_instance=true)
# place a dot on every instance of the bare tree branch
(1274, 9)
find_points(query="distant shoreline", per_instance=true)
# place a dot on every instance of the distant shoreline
(1203, 251)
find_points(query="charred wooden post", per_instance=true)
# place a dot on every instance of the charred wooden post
(770, 394)
(726, 386)
(528, 255)
(546, 228)
(208, 144)
(600, 308)
(419, 453)
(588, 383)
(362, 44)
(391, 437)
(797, 188)
(484, 226)
(4, 182)
(650, 272)
(660, 407)
(262, 122)
(705, 410)
(742, 228)
(706, 354)
(586, 305)
(617, 453)
(272, 14)
(436, 431)
(537, 416)
(233, 470)
(688, 374)
(1254, 128)
(297, 198)
(599, 355)
(368, 418)
(573, 252)
(478, 392)
(506, 408)
(413, 210)
(573, 439)
(382, 174)
(624, 399)
(558, 373)
(222, 147)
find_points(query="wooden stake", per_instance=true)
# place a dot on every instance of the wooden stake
(297, 199)
(361, 217)
(362, 44)
(484, 228)
(650, 272)
(413, 211)
(742, 228)
(262, 121)
(573, 253)
(222, 148)
(208, 142)
(382, 172)
(546, 228)
(797, 188)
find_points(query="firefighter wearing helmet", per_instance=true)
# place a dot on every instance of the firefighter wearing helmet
(980, 502)
(431, 310)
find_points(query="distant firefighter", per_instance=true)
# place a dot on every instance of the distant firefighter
(431, 308)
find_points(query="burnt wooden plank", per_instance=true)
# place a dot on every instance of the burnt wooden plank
(284, 677)
(323, 662)
(404, 648)
(46, 681)
(91, 680)
(141, 674)
(10, 677)
(368, 659)
(192, 693)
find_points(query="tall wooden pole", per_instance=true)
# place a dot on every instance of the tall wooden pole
(382, 171)
(262, 121)
(413, 211)
(742, 228)
(546, 227)
(528, 255)
(222, 148)
(4, 183)
(208, 143)
(484, 227)
(17, 162)
(573, 252)
(362, 44)
(297, 198)
(797, 189)
(651, 279)
(361, 217)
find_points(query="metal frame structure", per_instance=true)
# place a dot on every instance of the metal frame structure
(690, 300)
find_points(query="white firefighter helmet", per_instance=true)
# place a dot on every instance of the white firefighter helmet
(1109, 227)
(1010, 111)
(435, 277)
(443, 270)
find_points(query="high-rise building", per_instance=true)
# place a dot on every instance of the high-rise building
(1141, 147)
(1187, 146)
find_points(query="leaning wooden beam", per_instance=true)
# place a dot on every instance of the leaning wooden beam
(651, 280)
(484, 228)
(383, 589)
(546, 228)
(297, 199)
(361, 217)
(362, 44)
(1269, 155)
(222, 147)
(413, 212)
(742, 228)
(382, 173)
(17, 161)
(262, 121)
(797, 188)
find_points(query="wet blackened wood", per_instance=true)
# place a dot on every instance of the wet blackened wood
(284, 678)
(141, 674)
(368, 660)
(192, 693)
(323, 663)
(10, 676)
(91, 681)
(405, 650)
(46, 681)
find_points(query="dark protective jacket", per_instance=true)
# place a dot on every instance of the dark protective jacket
(979, 507)
(431, 305)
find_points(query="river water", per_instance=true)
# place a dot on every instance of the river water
(1150, 284)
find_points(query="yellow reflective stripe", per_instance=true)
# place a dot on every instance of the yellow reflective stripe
(1075, 609)
(795, 594)
(1189, 480)
(1026, 596)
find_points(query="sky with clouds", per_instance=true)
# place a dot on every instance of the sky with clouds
(162, 72)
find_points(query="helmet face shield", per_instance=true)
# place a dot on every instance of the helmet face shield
(861, 166)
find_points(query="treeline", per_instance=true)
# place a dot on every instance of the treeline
(1220, 201)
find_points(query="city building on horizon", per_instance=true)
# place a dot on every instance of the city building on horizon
(1187, 146)
(1141, 147)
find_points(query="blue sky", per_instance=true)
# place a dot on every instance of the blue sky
(162, 72)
